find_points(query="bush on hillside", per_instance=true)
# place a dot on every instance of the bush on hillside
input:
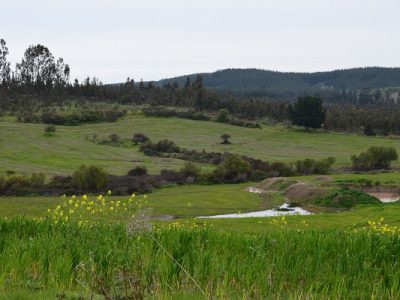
(223, 116)
(139, 138)
(189, 169)
(232, 169)
(22, 185)
(163, 146)
(346, 198)
(89, 178)
(310, 166)
(375, 158)
(138, 171)
(225, 138)
(49, 130)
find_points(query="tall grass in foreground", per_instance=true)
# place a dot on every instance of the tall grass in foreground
(37, 256)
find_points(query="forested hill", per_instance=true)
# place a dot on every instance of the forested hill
(255, 82)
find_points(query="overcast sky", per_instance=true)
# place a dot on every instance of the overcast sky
(152, 39)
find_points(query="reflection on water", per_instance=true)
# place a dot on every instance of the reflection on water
(282, 210)
(386, 197)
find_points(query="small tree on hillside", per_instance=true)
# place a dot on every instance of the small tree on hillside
(139, 138)
(223, 116)
(49, 130)
(225, 138)
(89, 178)
(308, 112)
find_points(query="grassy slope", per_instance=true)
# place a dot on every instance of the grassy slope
(24, 148)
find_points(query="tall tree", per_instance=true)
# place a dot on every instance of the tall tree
(308, 112)
(39, 69)
(199, 89)
(4, 64)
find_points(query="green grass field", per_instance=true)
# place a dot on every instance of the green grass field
(25, 149)
(320, 256)
(187, 202)
(104, 262)
(181, 202)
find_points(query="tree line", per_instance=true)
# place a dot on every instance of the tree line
(41, 80)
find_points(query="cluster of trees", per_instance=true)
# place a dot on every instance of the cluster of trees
(375, 158)
(257, 169)
(72, 118)
(38, 71)
(370, 121)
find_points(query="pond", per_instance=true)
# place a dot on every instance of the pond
(282, 210)
(386, 197)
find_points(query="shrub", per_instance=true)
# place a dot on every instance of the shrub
(49, 130)
(167, 146)
(324, 165)
(225, 138)
(279, 169)
(60, 181)
(163, 146)
(305, 166)
(223, 116)
(232, 169)
(139, 138)
(311, 166)
(189, 169)
(89, 178)
(113, 115)
(375, 158)
(37, 180)
(346, 198)
(138, 171)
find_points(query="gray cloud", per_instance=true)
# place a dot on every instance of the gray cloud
(156, 39)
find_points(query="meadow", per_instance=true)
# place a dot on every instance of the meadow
(104, 262)
(181, 202)
(25, 148)
(349, 254)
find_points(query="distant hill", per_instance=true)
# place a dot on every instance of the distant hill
(255, 82)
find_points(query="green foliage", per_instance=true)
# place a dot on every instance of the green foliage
(346, 198)
(307, 112)
(311, 166)
(375, 158)
(232, 169)
(89, 178)
(190, 169)
(225, 138)
(154, 149)
(223, 116)
(22, 185)
(49, 130)
(139, 138)
(138, 171)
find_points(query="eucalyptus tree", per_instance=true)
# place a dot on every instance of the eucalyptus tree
(4, 64)
(39, 70)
